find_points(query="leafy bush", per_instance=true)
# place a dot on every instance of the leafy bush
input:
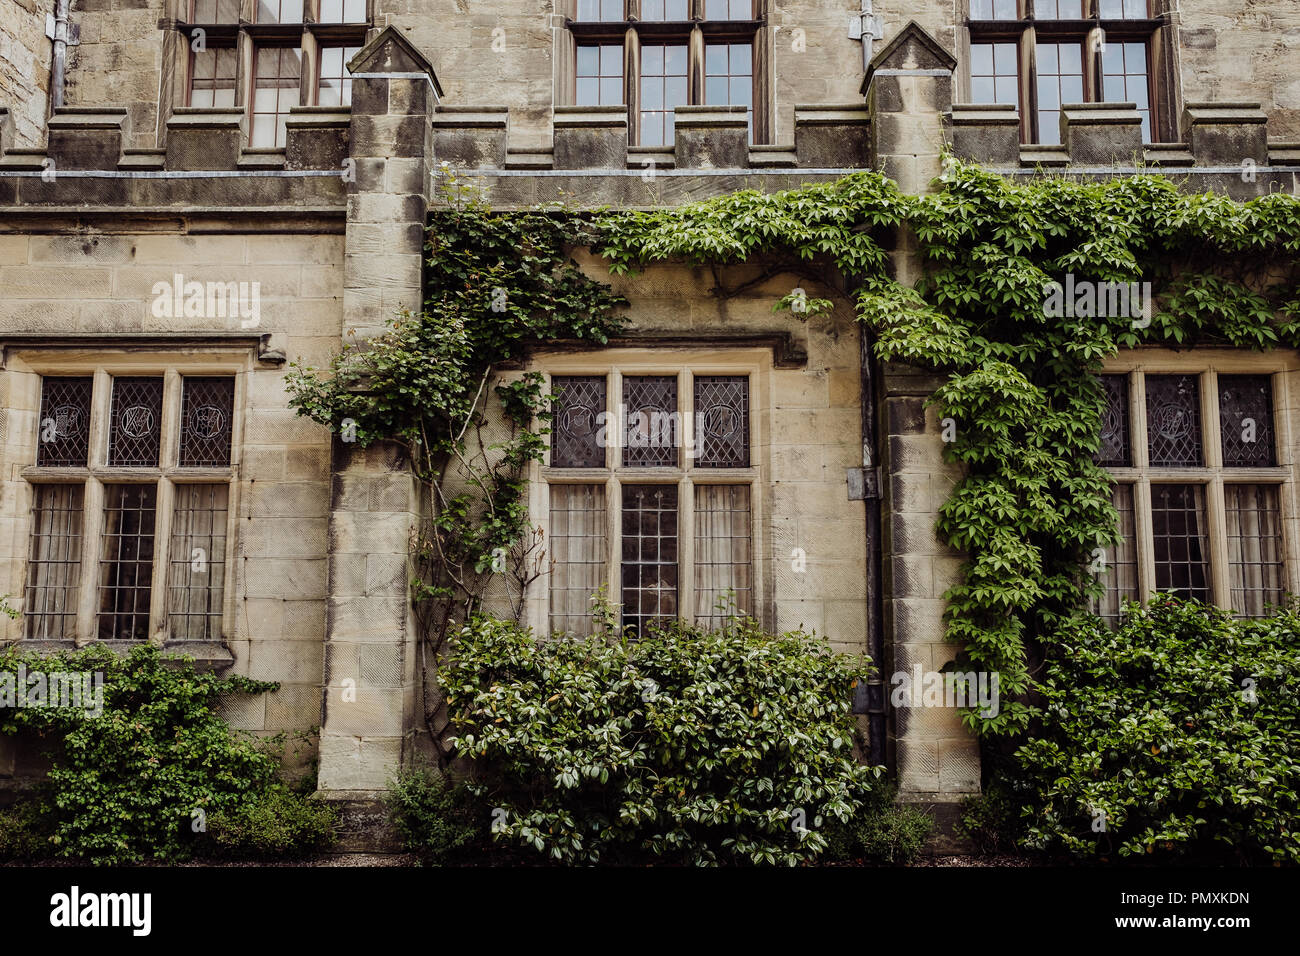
(133, 781)
(989, 820)
(686, 745)
(881, 832)
(1178, 733)
(437, 818)
(275, 823)
(22, 832)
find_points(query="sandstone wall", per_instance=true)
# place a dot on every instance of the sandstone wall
(103, 283)
(25, 67)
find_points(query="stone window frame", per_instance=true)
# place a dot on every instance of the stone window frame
(246, 36)
(172, 367)
(685, 364)
(696, 33)
(1207, 365)
(1157, 31)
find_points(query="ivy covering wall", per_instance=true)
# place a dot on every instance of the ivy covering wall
(1020, 383)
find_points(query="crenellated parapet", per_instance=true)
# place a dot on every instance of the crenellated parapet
(1225, 145)
(206, 161)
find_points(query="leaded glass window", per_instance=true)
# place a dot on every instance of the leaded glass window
(579, 555)
(64, 423)
(1114, 451)
(576, 427)
(681, 540)
(1174, 421)
(135, 423)
(649, 555)
(652, 436)
(723, 553)
(1180, 540)
(1254, 530)
(121, 540)
(722, 421)
(126, 561)
(197, 580)
(1246, 420)
(1214, 540)
(207, 415)
(1119, 568)
(54, 562)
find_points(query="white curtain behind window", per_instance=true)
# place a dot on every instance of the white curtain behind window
(723, 559)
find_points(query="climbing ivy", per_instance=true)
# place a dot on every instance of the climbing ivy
(494, 283)
(1018, 383)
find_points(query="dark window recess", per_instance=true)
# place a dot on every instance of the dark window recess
(722, 421)
(1246, 420)
(651, 406)
(63, 438)
(135, 423)
(126, 562)
(207, 412)
(1114, 451)
(575, 430)
(1180, 541)
(649, 562)
(1174, 421)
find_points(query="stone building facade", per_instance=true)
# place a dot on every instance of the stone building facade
(229, 186)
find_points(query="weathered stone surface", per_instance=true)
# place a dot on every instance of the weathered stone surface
(590, 137)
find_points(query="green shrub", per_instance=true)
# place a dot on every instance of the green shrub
(23, 833)
(134, 780)
(1176, 735)
(436, 817)
(276, 823)
(989, 821)
(686, 745)
(881, 832)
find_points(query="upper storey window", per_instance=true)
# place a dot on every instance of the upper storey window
(292, 53)
(656, 55)
(1040, 55)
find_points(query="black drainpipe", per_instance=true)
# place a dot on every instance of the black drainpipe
(874, 703)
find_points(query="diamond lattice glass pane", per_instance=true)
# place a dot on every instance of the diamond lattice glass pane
(126, 562)
(207, 412)
(1114, 451)
(649, 561)
(54, 562)
(1174, 421)
(64, 423)
(651, 407)
(722, 421)
(1246, 420)
(575, 429)
(196, 582)
(1179, 540)
(135, 422)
